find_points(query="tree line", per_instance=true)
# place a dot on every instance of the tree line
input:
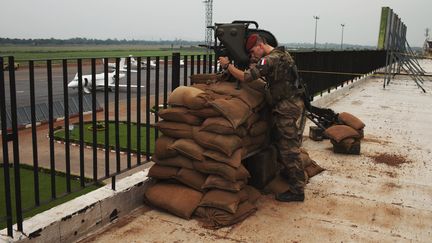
(87, 41)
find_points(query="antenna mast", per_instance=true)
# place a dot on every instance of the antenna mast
(208, 22)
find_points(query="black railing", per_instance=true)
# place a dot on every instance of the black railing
(323, 70)
(320, 70)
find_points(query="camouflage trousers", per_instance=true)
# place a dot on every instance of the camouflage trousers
(286, 115)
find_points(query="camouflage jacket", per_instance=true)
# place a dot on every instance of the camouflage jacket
(277, 69)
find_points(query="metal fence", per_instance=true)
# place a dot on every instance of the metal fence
(323, 70)
(320, 70)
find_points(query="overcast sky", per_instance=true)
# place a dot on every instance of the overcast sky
(290, 21)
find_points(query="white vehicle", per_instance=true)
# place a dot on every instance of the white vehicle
(100, 80)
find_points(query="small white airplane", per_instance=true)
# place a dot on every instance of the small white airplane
(112, 65)
(100, 81)
(134, 63)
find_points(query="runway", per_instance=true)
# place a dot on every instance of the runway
(41, 83)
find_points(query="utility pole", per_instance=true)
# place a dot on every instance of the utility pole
(316, 27)
(208, 22)
(342, 25)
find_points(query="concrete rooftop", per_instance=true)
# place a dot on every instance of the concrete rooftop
(355, 199)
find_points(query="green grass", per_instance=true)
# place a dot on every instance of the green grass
(27, 192)
(88, 136)
(22, 52)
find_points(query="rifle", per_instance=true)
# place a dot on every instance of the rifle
(322, 117)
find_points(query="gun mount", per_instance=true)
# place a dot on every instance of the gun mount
(230, 40)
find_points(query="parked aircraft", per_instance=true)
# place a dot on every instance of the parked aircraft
(134, 63)
(112, 65)
(100, 81)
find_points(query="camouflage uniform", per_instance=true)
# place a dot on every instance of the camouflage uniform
(287, 109)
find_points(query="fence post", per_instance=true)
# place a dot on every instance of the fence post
(175, 66)
(16, 157)
(4, 137)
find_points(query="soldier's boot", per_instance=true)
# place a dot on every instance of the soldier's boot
(296, 180)
(289, 196)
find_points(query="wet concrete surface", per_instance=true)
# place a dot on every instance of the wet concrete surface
(354, 200)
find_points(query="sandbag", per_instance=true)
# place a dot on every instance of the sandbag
(351, 120)
(201, 86)
(252, 194)
(189, 148)
(234, 160)
(163, 148)
(177, 161)
(226, 144)
(190, 97)
(191, 178)
(204, 78)
(216, 168)
(258, 140)
(313, 169)
(175, 129)
(305, 158)
(215, 96)
(248, 95)
(221, 199)
(221, 125)
(205, 112)
(258, 128)
(216, 218)
(177, 199)
(340, 132)
(257, 84)
(218, 182)
(162, 172)
(180, 114)
(346, 143)
(235, 110)
(252, 119)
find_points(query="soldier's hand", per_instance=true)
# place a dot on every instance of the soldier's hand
(224, 61)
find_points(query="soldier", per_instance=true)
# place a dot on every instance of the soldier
(284, 97)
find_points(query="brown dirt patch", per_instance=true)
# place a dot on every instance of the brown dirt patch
(390, 159)
(374, 140)
(390, 174)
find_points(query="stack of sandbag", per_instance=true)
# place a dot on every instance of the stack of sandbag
(346, 136)
(207, 130)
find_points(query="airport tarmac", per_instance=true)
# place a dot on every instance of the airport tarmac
(41, 83)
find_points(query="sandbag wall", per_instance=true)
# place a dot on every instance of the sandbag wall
(207, 130)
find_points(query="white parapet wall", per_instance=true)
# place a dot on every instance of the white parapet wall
(74, 219)
(79, 217)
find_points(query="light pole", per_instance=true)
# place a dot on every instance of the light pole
(342, 25)
(316, 27)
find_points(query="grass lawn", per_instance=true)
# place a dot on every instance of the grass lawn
(27, 192)
(82, 51)
(88, 136)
